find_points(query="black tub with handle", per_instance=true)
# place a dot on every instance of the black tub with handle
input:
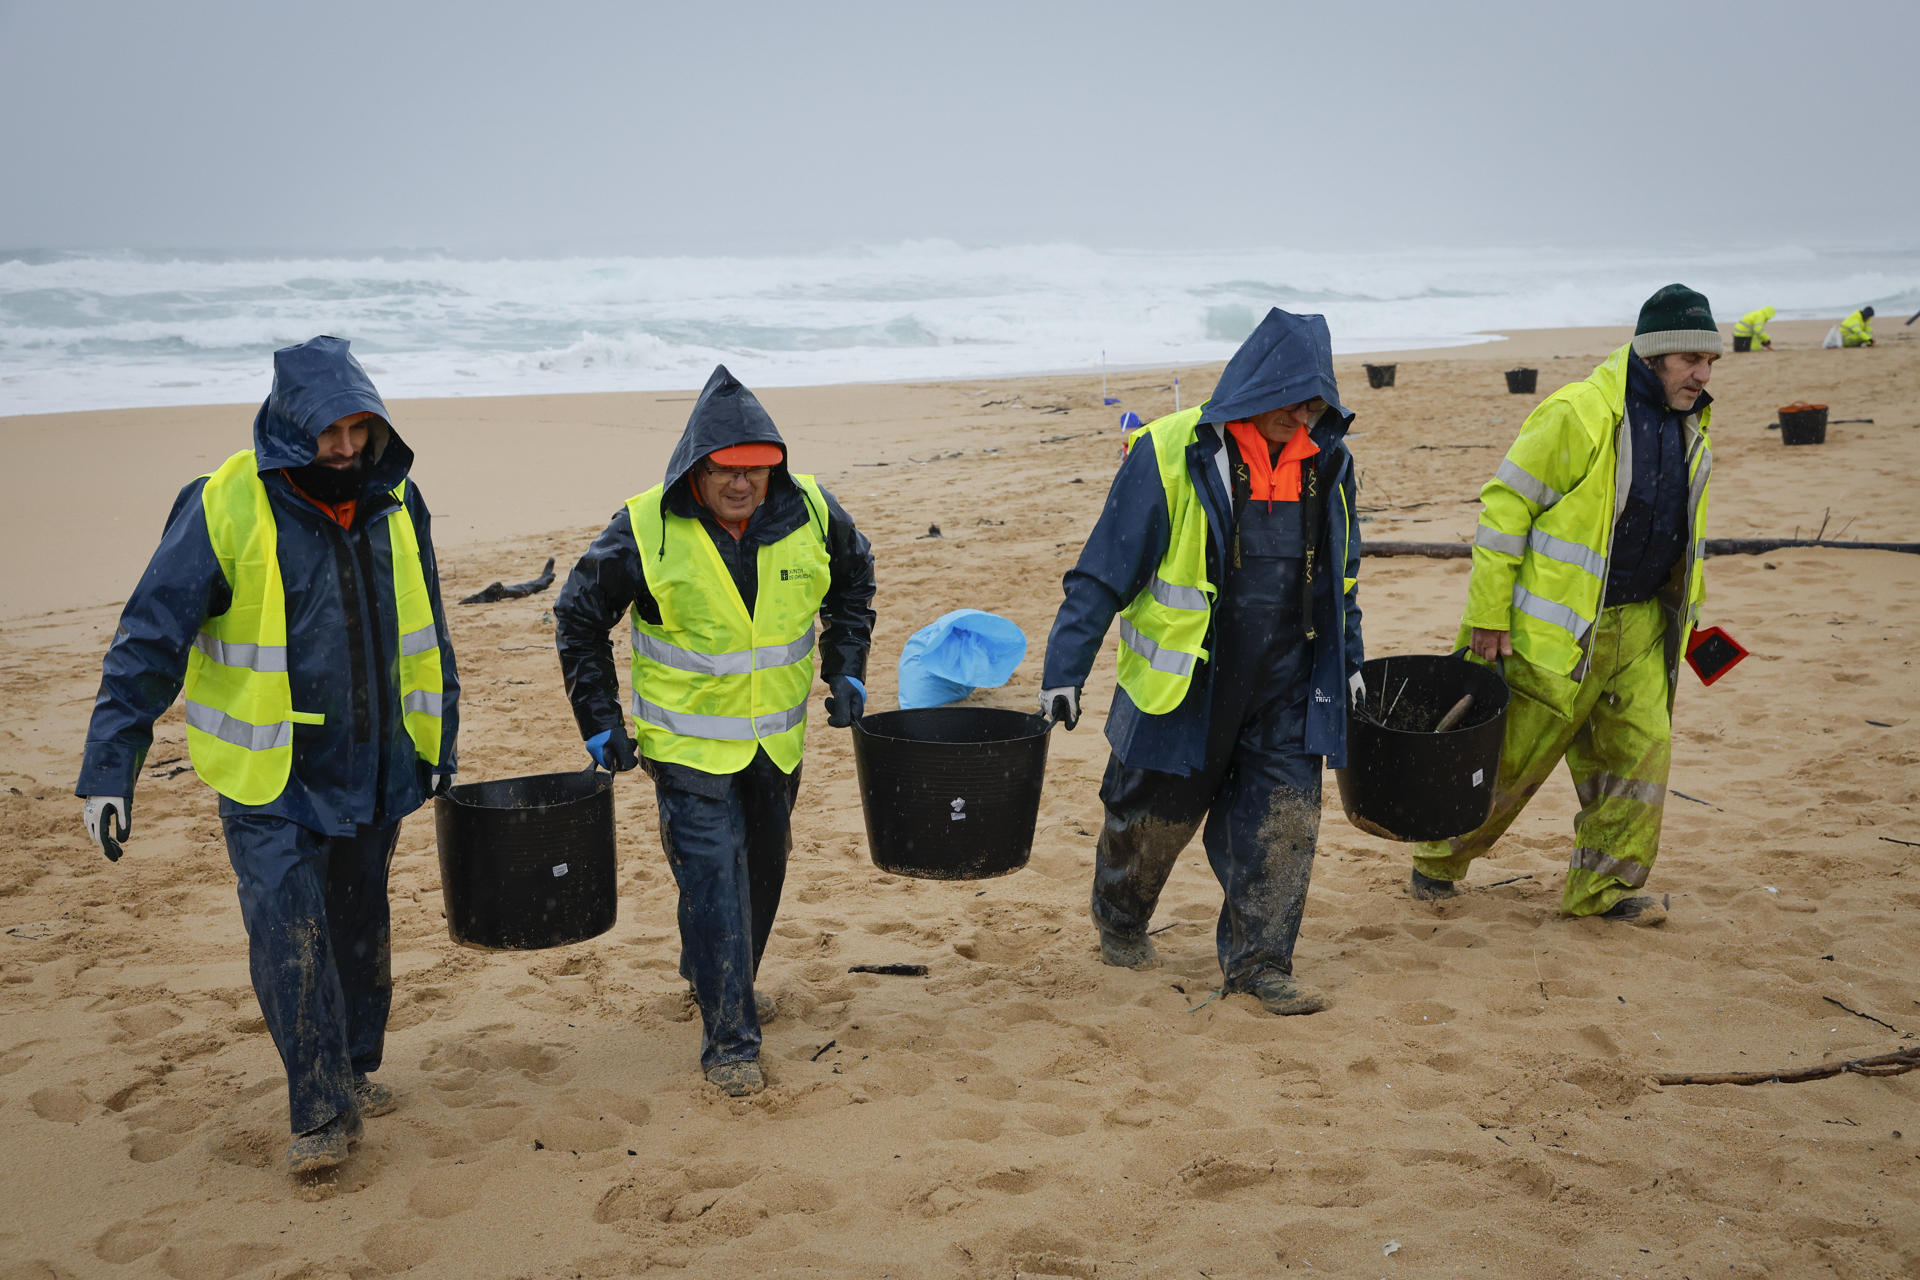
(1521, 382)
(950, 793)
(1403, 780)
(528, 863)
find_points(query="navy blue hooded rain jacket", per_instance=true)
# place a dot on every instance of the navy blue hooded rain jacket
(359, 767)
(1288, 359)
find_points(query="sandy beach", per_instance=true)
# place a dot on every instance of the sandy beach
(1480, 1099)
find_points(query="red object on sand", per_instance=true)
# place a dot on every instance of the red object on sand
(1712, 653)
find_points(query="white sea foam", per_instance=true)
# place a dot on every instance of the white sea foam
(82, 331)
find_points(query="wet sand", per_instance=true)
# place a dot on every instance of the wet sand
(1478, 1101)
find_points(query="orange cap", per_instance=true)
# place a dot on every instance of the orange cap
(756, 454)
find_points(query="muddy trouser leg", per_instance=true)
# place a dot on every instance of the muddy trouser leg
(358, 918)
(1619, 761)
(283, 877)
(1151, 816)
(767, 795)
(1536, 738)
(1260, 839)
(706, 842)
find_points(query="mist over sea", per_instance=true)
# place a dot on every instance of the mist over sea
(125, 329)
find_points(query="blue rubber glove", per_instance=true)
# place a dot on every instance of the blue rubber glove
(613, 750)
(847, 702)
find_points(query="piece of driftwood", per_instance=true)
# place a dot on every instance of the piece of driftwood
(500, 591)
(1715, 547)
(1882, 1064)
(891, 970)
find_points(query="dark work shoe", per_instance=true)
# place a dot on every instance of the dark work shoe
(1279, 994)
(737, 1079)
(1642, 910)
(325, 1147)
(1127, 953)
(1426, 889)
(375, 1099)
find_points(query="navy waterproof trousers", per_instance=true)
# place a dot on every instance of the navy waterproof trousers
(727, 844)
(319, 950)
(1258, 792)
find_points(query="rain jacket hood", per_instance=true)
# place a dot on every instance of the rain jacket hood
(315, 384)
(1285, 360)
(725, 415)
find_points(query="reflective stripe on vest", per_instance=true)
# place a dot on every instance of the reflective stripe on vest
(1163, 630)
(239, 701)
(713, 684)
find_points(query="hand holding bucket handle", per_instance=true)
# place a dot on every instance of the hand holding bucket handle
(1502, 643)
(847, 703)
(1061, 706)
(613, 750)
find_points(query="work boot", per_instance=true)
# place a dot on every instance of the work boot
(1280, 995)
(375, 1099)
(737, 1079)
(1426, 889)
(1127, 953)
(325, 1147)
(1643, 910)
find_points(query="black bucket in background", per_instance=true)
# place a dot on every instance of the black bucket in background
(1405, 782)
(1380, 375)
(1742, 343)
(950, 793)
(1803, 424)
(1521, 382)
(527, 863)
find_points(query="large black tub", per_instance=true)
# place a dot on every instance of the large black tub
(950, 793)
(1403, 781)
(527, 863)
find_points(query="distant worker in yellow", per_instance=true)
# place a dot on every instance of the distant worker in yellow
(1857, 329)
(1753, 328)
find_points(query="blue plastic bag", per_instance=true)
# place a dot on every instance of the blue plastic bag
(957, 653)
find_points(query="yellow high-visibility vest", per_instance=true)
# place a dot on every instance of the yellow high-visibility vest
(713, 683)
(1163, 630)
(239, 702)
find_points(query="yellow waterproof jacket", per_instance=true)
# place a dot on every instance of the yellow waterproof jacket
(1754, 325)
(1856, 331)
(1541, 552)
(712, 683)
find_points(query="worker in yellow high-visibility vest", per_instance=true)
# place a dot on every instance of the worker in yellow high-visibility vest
(294, 596)
(1753, 327)
(721, 571)
(1588, 575)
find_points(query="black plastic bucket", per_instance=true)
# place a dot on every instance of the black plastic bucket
(1803, 424)
(1521, 382)
(527, 863)
(950, 793)
(1380, 375)
(1742, 342)
(1403, 781)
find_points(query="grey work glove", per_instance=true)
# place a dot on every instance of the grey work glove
(109, 820)
(1062, 705)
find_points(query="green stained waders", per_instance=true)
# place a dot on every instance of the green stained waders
(1617, 744)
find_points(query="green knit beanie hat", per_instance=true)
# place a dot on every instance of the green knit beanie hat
(1676, 319)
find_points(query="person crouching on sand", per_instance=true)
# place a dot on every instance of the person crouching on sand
(1231, 694)
(295, 591)
(721, 570)
(1587, 596)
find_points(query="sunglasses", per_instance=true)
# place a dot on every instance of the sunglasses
(753, 474)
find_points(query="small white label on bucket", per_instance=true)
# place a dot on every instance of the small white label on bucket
(559, 869)
(1477, 775)
(959, 808)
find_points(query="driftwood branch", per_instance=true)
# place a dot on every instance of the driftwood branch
(1884, 1064)
(1715, 547)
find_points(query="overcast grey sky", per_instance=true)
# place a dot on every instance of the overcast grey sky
(753, 127)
